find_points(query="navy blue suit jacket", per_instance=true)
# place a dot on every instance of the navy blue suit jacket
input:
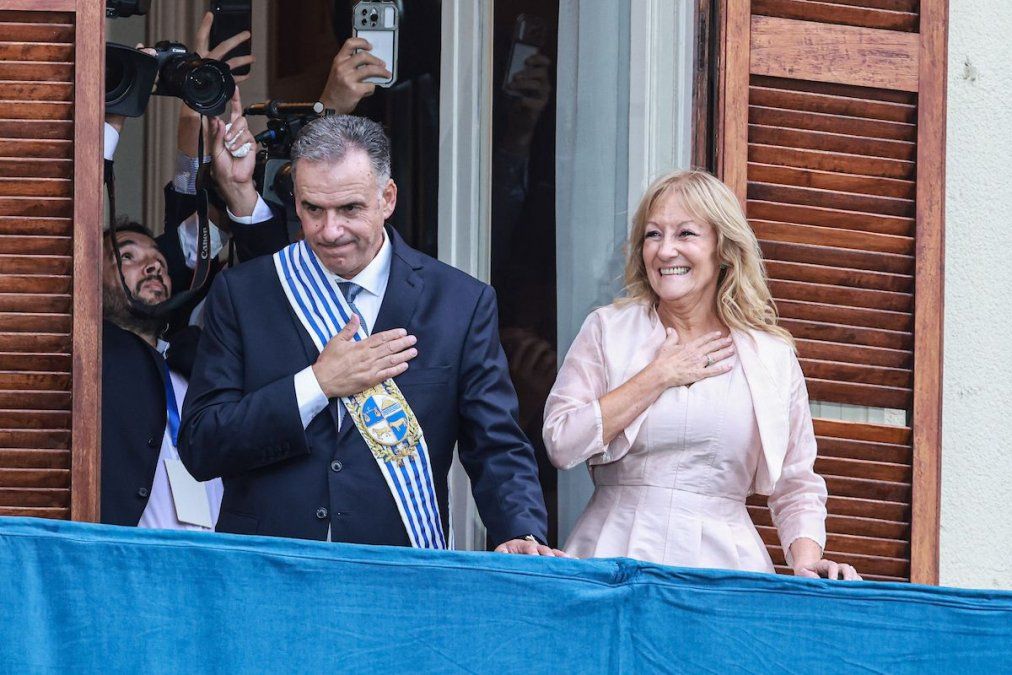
(241, 420)
(133, 416)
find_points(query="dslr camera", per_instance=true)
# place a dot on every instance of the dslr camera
(121, 9)
(203, 84)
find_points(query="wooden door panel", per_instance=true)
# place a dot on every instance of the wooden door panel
(51, 91)
(830, 123)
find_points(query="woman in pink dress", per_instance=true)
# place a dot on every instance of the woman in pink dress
(685, 397)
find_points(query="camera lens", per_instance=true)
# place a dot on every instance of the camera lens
(207, 88)
(205, 85)
(284, 184)
(116, 81)
(129, 75)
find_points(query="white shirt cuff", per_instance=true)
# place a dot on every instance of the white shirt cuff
(111, 140)
(308, 395)
(261, 212)
(187, 232)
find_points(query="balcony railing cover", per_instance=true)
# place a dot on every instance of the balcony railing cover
(98, 598)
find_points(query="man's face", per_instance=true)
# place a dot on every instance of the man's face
(343, 207)
(144, 269)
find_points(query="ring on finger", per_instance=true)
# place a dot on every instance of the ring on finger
(709, 361)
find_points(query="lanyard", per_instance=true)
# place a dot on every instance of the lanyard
(171, 407)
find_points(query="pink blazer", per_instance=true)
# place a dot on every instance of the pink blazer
(619, 340)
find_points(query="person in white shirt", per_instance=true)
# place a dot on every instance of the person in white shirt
(143, 481)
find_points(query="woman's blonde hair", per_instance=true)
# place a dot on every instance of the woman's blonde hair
(743, 296)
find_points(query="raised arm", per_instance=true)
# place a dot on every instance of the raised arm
(256, 228)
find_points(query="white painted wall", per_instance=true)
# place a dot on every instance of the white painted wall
(976, 522)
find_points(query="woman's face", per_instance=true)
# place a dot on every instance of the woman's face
(680, 254)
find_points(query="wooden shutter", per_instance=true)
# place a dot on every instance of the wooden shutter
(830, 120)
(51, 97)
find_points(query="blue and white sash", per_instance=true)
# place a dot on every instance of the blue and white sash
(381, 413)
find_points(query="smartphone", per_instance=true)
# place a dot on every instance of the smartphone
(232, 17)
(378, 22)
(530, 35)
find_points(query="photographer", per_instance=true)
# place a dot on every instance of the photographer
(143, 385)
(144, 378)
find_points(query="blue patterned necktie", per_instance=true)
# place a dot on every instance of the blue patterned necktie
(350, 291)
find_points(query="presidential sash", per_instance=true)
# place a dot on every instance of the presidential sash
(381, 414)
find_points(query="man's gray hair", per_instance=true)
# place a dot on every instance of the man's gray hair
(328, 139)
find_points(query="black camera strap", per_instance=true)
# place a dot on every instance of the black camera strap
(202, 269)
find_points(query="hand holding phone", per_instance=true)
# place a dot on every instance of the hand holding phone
(350, 73)
(232, 18)
(530, 35)
(378, 23)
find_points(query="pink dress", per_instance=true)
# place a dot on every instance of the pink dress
(671, 487)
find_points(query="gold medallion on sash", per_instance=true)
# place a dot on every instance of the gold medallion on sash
(386, 422)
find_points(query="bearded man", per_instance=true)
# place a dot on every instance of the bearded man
(143, 482)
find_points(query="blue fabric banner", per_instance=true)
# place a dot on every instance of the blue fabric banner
(79, 597)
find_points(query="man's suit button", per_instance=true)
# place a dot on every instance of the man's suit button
(142, 492)
(321, 513)
(151, 442)
(336, 466)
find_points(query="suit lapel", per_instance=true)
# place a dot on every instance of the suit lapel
(163, 376)
(769, 401)
(400, 300)
(647, 333)
(404, 287)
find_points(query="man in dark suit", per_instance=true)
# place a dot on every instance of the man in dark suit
(273, 400)
(138, 450)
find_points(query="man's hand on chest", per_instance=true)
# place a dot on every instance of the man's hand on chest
(346, 366)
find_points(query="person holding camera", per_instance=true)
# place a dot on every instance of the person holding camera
(143, 384)
(179, 243)
(144, 377)
(141, 392)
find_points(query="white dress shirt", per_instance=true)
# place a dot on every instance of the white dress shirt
(160, 512)
(261, 212)
(111, 141)
(373, 280)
